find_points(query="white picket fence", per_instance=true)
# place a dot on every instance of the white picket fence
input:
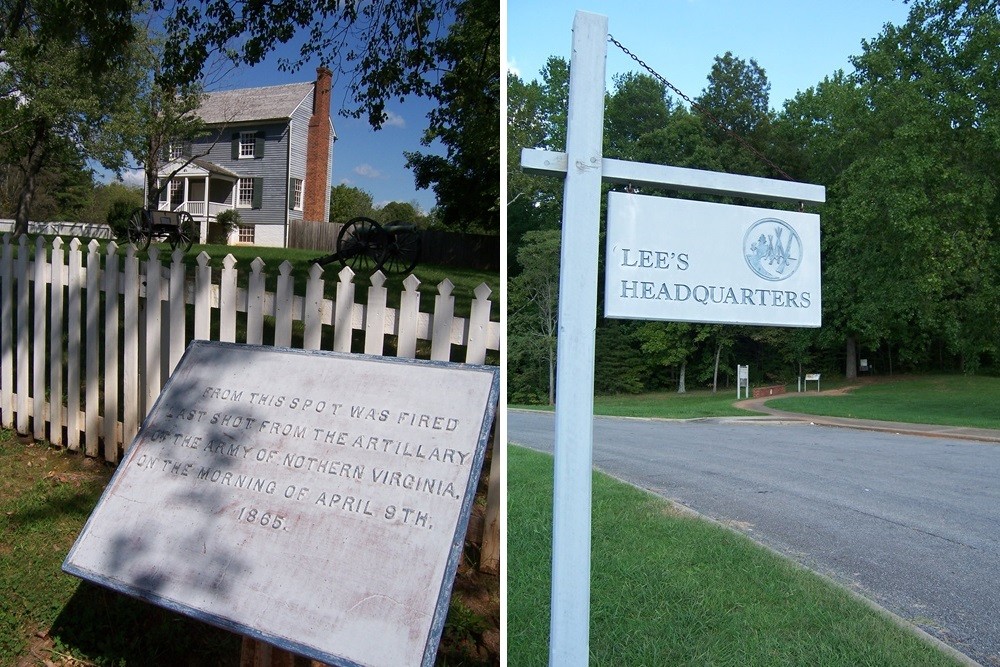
(88, 340)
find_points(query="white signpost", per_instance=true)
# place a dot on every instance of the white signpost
(742, 381)
(584, 169)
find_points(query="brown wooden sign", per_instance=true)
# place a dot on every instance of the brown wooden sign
(312, 500)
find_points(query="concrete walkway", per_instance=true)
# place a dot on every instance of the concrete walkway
(931, 430)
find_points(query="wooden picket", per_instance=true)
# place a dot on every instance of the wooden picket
(138, 313)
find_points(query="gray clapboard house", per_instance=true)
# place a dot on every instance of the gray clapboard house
(268, 153)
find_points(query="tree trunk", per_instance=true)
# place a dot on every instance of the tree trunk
(851, 372)
(552, 376)
(715, 374)
(151, 168)
(33, 165)
(680, 382)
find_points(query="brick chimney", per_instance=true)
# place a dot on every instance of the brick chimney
(317, 187)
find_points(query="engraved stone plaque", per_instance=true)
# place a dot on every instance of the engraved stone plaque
(313, 500)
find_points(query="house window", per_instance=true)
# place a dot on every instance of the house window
(176, 151)
(246, 234)
(248, 141)
(297, 194)
(244, 193)
(176, 192)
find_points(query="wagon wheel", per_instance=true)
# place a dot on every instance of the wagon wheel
(138, 231)
(183, 237)
(361, 244)
(402, 252)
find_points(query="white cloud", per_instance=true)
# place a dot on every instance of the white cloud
(133, 177)
(394, 120)
(513, 68)
(367, 171)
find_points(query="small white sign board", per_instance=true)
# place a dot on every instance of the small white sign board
(312, 500)
(688, 261)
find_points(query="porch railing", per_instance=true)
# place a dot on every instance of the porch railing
(197, 208)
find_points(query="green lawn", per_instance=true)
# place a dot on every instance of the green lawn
(950, 400)
(664, 405)
(669, 589)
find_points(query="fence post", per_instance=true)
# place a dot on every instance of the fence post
(375, 315)
(255, 303)
(444, 316)
(154, 327)
(343, 311)
(178, 312)
(74, 310)
(39, 340)
(479, 322)
(92, 425)
(283, 300)
(110, 354)
(6, 333)
(409, 312)
(131, 394)
(23, 345)
(202, 297)
(55, 343)
(489, 554)
(227, 300)
(313, 309)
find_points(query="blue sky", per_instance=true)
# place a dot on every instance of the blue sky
(797, 42)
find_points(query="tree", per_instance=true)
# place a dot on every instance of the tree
(64, 72)
(347, 201)
(400, 211)
(671, 344)
(907, 147)
(533, 305)
(467, 122)
(638, 106)
(736, 103)
(536, 118)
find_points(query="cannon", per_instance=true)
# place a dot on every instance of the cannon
(364, 244)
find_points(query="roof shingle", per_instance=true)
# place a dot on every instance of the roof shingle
(253, 104)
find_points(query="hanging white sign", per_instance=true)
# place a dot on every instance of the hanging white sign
(688, 261)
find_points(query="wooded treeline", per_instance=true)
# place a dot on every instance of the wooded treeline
(907, 146)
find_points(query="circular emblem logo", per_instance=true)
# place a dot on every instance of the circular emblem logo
(773, 249)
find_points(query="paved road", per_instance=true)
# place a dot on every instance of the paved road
(911, 522)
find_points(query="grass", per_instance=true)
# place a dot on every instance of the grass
(949, 400)
(45, 498)
(664, 405)
(668, 589)
(48, 617)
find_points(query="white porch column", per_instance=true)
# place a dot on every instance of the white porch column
(203, 226)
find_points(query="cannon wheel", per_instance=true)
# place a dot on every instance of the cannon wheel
(138, 231)
(402, 252)
(183, 238)
(361, 244)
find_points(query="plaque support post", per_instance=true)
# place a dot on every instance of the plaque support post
(569, 642)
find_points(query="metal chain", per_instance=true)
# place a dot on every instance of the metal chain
(700, 109)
